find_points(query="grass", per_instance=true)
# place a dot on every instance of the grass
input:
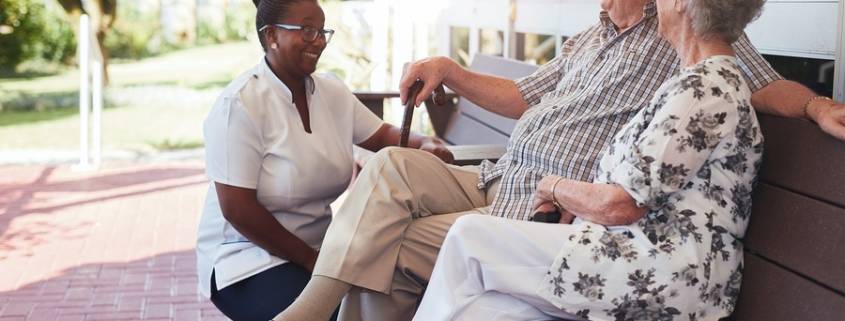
(27, 117)
(152, 105)
(167, 144)
(190, 67)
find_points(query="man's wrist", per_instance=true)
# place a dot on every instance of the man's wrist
(452, 68)
(814, 105)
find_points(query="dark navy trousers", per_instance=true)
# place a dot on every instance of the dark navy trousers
(261, 296)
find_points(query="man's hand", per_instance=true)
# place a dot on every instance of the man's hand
(438, 148)
(830, 116)
(432, 71)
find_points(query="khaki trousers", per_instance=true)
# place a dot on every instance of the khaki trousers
(386, 236)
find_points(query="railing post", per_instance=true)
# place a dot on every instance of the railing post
(90, 82)
(98, 111)
(839, 70)
(84, 89)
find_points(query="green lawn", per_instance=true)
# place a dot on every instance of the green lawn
(153, 104)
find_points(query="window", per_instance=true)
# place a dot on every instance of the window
(459, 45)
(492, 42)
(817, 74)
(535, 48)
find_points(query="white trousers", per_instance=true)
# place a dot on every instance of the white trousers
(492, 268)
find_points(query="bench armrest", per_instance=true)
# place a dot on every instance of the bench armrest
(464, 154)
(474, 154)
(374, 100)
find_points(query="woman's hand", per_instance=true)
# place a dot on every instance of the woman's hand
(544, 199)
(545, 187)
(566, 217)
(437, 147)
(312, 260)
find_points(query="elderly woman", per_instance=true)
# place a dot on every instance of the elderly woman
(278, 152)
(682, 170)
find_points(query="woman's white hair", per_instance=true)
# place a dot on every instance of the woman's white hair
(723, 19)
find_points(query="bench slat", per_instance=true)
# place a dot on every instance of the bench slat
(501, 67)
(800, 157)
(463, 130)
(798, 232)
(771, 293)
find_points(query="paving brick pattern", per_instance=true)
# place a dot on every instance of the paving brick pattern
(116, 244)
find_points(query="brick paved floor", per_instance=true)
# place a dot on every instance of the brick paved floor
(116, 244)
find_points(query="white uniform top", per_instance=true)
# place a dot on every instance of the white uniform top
(254, 138)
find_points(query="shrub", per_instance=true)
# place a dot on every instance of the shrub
(134, 35)
(29, 31)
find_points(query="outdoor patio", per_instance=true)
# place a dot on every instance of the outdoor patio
(115, 244)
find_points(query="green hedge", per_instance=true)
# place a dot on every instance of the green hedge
(30, 31)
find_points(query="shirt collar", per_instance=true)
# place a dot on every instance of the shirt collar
(267, 72)
(649, 10)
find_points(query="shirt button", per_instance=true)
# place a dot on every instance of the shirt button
(513, 162)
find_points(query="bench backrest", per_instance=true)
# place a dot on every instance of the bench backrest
(795, 243)
(472, 125)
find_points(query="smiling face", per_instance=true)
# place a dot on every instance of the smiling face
(293, 56)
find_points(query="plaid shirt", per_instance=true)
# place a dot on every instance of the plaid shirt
(580, 99)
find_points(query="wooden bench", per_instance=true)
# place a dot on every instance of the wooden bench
(795, 242)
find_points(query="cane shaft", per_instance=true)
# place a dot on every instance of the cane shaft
(405, 131)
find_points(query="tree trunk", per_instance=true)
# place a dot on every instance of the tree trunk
(102, 14)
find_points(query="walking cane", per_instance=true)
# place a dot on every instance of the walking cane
(439, 98)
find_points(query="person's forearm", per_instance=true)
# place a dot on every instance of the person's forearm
(604, 204)
(259, 226)
(790, 99)
(498, 95)
(783, 98)
(388, 135)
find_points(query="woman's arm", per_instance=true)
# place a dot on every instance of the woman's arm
(388, 135)
(241, 208)
(603, 204)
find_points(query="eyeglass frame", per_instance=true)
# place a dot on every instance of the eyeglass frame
(326, 33)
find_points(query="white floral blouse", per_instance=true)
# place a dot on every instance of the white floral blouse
(691, 157)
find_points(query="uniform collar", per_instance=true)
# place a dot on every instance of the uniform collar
(268, 73)
(649, 10)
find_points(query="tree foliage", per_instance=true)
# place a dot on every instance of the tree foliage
(29, 31)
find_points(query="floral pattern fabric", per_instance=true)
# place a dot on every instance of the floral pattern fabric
(691, 157)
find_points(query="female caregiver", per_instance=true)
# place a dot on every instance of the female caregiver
(278, 144)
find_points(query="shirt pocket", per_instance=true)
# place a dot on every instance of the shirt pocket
(628, 63)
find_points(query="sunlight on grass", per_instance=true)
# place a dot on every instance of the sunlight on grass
(155, 104)
(28, 117)
(188, 67)
(168, 144)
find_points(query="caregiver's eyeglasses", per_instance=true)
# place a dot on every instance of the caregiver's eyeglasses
(308, 33)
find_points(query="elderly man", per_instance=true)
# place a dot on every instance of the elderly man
(382, 244)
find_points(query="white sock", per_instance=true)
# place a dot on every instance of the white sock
(318, 300)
